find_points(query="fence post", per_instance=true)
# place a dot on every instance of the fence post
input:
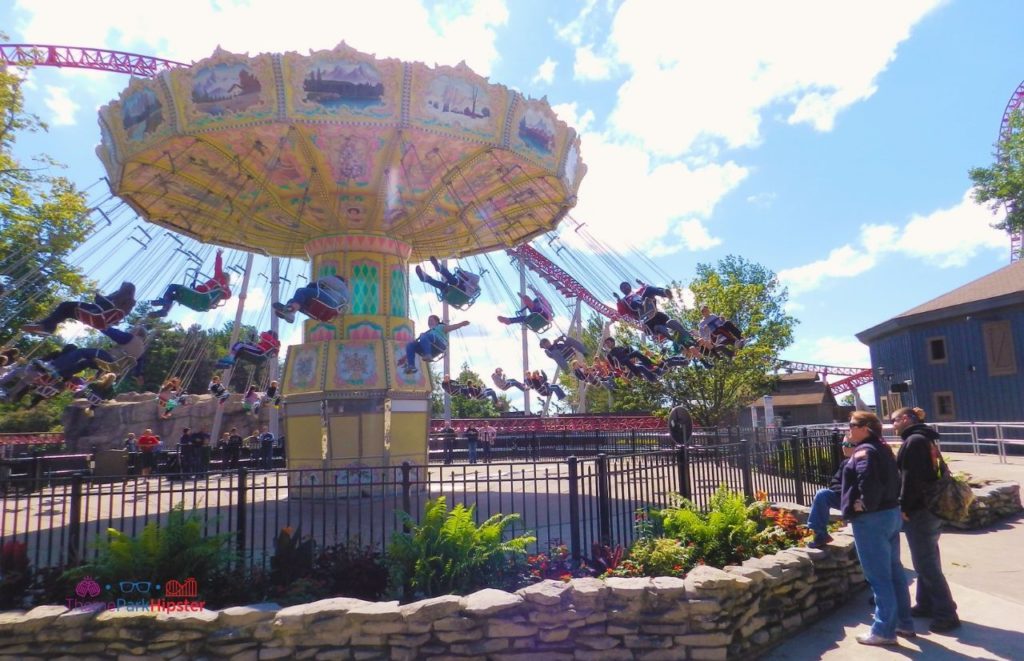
(632, 440)
(242, 514)
(748, 476)
(683, 468)
(75, 521)
(574, 509)
(796, 443)
(604, 505)
(406, 487)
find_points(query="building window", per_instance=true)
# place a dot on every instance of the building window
(999, 348)
(936, 350)
(944, 409)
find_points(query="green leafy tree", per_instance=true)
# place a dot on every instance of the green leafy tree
(41, 220)
(1002, 184)
(463, 407)
(750, 295)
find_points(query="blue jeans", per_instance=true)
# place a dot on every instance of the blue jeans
(422, 345)
(817, 520)
(877, 535)
(922, 531)
(472, 451)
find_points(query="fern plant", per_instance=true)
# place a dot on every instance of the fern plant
(448, 553)
(176, 550)
(724, 535)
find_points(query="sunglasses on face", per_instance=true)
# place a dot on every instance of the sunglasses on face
(856, 424)
(848, 444)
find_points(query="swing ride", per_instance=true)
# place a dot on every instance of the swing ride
(360, 165)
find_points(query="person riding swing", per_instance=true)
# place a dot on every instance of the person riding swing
(322, 299)
(430, 345)
(202, 297)
(459, 288)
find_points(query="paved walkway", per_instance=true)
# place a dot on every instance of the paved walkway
(985, 571)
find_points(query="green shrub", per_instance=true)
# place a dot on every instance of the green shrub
(658, 556)
(722, 536)
(448, 553)
(177, 550)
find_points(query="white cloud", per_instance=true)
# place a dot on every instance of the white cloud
(445, 34)
(569, 114)
(61, 105)
(944, 238)
(677, 198)
(545, 72)
(829, 350)
(698, 75)
(573, 31)
(588, 65)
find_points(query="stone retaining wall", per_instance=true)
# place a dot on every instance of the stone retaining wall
(991, 502)
(712, 614)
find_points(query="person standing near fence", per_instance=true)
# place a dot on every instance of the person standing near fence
(488, 435)
(185, 454)
(201, 448)
(266, 450)
(234, 448)
(826, 500)
(918, 462)
(448, 443)
(870, 501)
(472, 439)
(147, 449)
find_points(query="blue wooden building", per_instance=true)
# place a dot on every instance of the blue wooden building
(956, 356)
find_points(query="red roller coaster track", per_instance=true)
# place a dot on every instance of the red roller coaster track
(76, 57)
(1016, 102)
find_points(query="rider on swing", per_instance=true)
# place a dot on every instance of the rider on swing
(464, 281)
(267, 345)
(531, 306)
(216, 289)
(430, 344)
(331, 290)
(119, 304)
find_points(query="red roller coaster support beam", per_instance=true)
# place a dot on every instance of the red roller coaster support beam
(1016, 102)
(76, 57)
(566, 285)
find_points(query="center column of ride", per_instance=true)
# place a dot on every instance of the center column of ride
(347, 403)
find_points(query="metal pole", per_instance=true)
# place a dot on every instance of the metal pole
(275, 296)
(235, 332)
(447, 357)
(554, 379)
(526, 337)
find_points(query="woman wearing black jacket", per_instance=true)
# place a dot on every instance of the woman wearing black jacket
(870, 501)
(918, 462)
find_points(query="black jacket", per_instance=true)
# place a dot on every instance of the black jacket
(872, 477)
(836, 483)
(918, 461)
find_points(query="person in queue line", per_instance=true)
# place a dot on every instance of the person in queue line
(919, 461)
(148, 444)
(488, 435)
(870, 501)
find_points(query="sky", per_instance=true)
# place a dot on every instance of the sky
(828, 141)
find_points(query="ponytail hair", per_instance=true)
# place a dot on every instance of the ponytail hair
(916, 413)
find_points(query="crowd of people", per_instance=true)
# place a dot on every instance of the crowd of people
(193, 453)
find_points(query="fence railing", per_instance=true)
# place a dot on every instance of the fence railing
(580, 501)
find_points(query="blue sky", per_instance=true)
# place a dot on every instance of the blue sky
(827, 141)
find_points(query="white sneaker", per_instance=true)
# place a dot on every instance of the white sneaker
(871, 639)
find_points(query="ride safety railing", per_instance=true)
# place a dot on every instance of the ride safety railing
(580, 501)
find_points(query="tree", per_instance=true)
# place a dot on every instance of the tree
(40, 221)
(1002, 184)
(750, 295)
(463, 407)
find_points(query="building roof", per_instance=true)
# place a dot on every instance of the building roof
(998, 289)
(799, 389)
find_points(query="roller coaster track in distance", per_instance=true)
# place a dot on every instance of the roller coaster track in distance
(77, 57)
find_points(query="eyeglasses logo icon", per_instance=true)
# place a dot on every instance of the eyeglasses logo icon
(142, 587)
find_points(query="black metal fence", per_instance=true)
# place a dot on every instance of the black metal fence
(580, 501)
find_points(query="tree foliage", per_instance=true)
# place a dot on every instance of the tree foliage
(41, 220)
(1002, 184)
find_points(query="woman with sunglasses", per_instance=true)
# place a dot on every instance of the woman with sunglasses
(871, 502)
(918, 462)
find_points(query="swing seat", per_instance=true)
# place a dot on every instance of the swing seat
(321, 311)
(100, 320)
(45, 388)
(538, 323)
(201, 301)
(456, 296)
(648, 309)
